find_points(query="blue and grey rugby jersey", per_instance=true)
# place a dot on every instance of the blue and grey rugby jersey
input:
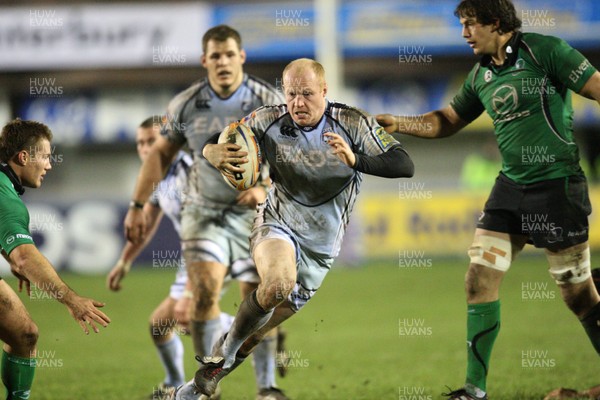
(313, 190)
(171, 190)
(196, 114)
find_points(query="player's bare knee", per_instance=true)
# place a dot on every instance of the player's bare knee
(27, 337)
(275, 291)
(490, 258)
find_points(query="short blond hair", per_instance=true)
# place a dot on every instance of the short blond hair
(304, 63)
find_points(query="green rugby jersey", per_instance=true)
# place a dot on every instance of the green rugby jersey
(529, 101)
(14, 217)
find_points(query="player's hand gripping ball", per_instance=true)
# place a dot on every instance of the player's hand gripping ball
(243, 136)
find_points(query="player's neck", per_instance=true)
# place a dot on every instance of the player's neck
(499, 57)
(225, 92)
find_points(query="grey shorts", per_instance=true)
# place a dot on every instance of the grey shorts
(311, 268)
(219, 235)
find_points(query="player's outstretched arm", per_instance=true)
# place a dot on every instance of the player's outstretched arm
(151, 173)
(28, 262)
(432, 125)
(153, 216)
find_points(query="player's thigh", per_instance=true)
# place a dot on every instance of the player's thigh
(213, 240)
(207, 276)
(17, 329)
(275, 260)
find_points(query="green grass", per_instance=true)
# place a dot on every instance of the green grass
(346, 343)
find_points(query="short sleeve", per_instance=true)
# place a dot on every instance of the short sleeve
(466, 103)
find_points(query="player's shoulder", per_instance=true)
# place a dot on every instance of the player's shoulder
(268, 93)
(194, 90)
(538, 41)
(267, 113)
(255, 81)
(6, 186)
(347, 115)
(539, 45)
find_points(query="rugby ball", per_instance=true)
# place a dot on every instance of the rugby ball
(243, 136)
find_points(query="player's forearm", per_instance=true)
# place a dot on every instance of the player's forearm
(132, 250)
(394, 163)
(27, 261)
(151, 173)
(432, 125)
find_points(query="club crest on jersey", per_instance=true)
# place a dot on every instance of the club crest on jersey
(519, 65)
(288, 132)
(327, 129)
(246, 106)
(488, 75)
(202, 104)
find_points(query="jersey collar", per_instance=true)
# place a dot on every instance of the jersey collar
(512, 53)
(213, 92)
(312, 128)
(14, 179)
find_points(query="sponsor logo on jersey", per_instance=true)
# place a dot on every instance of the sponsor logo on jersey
(288, 132)
(578, 72)
(12, 238)
(504, 102)
(505, 99)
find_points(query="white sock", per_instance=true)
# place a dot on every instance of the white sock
(171, 357)
(204, 335)
(264, 363)
(226, 321)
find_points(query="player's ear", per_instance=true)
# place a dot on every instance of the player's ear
(324, 89)
(22, 157)
(496, 26)
(203, 60)
(243, 55)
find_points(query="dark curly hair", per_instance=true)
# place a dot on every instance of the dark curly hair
(20, 135)
(487, 12)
